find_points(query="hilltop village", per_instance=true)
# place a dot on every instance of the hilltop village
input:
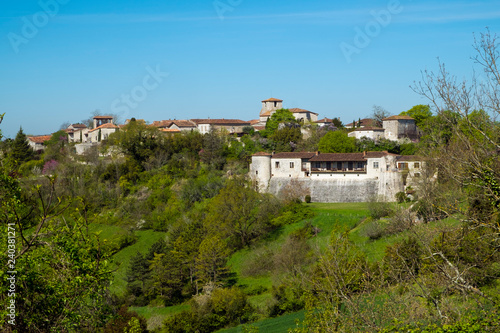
(325, 177)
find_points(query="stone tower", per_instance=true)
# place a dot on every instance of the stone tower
(268, 107)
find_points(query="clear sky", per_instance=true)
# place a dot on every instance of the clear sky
(60, 60)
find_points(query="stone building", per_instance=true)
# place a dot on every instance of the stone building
(400, 127)
(349, 177)
(373, 133)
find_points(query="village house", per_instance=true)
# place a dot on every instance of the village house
(394, 128)
(77, 133)
(231, 126)
(373, 133)
(37, 142)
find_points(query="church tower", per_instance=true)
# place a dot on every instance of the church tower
(268, 107)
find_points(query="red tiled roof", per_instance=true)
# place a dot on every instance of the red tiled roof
(40, 138)
(273, 100)
(259, 128)
(108, 125)
(297, 110)
(162, 123)
(398, 118)
(221, 121)
(261, 153)
(183, 123)
(338, 157)
(365, 122)
(103, 117)
(369, 129)
(255, 121)
(294, 155)
(78, 125)
(170, 130)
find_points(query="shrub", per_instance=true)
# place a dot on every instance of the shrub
(401, 197)
(379, 209)
(308, 198)
(374, 230)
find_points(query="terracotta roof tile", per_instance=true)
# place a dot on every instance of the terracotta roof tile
(103, 117)
(273, 100)
(338, 157)
(183, 123)
(297, 110)
(108, 125)
(294, 155)
(221, 122)
(262, 153)
(398, 118)
(40, 138)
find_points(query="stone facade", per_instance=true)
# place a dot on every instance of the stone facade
(372, 133)
(400, 127)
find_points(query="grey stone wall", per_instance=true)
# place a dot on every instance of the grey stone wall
(344, 190)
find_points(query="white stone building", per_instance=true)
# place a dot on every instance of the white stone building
(373, 133)
(349, 177)
(77, 133)
(102, 132)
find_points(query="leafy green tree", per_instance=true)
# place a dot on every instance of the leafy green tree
(239, 213)
(419, 112)
(337, 142)
(21, 150)
(278, 117)
(211, 260)
(138, 140)
(213, 150)
(63, 270)
(286, 138)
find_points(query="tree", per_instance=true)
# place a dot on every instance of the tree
(337, 142)
(420, 113)
(21, 150)
(378, 114)
(211, 260)
(279, 117)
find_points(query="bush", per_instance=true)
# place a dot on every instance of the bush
(374, 230)
(399, 222)
(308, 198)
(379, 209)
(401, 197)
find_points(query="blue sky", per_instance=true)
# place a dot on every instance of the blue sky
(63, 59)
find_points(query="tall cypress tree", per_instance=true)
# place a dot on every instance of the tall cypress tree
(21, 150)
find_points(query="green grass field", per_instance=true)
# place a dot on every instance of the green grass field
(272, 325)
(110, 235)
(156, 315)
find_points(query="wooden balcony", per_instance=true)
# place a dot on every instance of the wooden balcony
(335, 170)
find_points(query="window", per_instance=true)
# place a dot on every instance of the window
(375, 165)
(257, 172)
(292, 165)
(277, 165)
(416, 165)
(417, 174)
